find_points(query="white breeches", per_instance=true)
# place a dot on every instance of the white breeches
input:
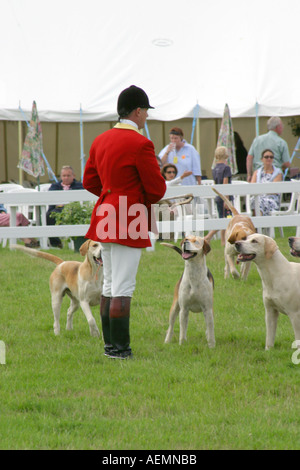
(120, 265)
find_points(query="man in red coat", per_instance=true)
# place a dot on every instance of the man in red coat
(123, 171)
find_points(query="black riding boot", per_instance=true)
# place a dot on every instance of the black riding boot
(104, 314)
(119, 315)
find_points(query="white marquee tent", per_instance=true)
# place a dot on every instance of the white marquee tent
(72, 54)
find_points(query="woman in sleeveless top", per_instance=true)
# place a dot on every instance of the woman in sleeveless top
(267, 173)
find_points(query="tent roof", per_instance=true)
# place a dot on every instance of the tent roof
(67, 54)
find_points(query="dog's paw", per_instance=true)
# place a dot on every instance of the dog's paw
(182, 341)
(168, 338)
(94, 331)
(226, 273)
(235, 274)
(210, 337)
(56, 331)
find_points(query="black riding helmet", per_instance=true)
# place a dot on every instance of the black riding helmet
(130, 99)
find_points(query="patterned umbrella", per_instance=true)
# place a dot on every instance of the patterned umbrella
(31, 159)
(226, 139)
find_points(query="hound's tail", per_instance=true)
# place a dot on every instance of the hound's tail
(228, 203)
(174, 247)
(38, 254)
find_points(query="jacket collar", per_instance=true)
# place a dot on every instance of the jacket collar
(123, 125)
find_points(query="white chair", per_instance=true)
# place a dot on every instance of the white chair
(207, 182)
(240, 202)
(189, 210)
(31, 212)
(5, 187)
(28, 211)
(43, 187)
(210, 209)
(179, 204)
(285, 209)
(293, 209)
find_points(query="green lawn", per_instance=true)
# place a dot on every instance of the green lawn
(62, 393)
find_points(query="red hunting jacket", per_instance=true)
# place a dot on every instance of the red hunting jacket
(123, 171)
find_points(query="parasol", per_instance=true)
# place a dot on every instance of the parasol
(226, 139)
(31, 159)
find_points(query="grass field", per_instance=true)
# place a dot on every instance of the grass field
(62, 393)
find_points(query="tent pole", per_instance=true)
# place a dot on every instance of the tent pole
(198, 135)
(195, 119)
(20, 141)
(81, 144)
(5, 150)
(56, 170)
(147, 130)
(256, 119)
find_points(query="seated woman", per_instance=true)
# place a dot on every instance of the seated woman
(21, 221)
(169, 172)
(267, 173)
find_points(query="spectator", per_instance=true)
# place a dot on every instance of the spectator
(267, 173)
(240, 154)
(273, 141)
(67, 182)
(221, 175)
(169, 172)
(22, 221)
(183, 155)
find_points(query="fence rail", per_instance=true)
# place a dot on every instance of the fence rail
(43, 199)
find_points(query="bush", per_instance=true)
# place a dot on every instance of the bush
(74, 213)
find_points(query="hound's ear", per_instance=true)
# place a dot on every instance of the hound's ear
(270, 247)
(84, 248)
(174, 247)
(206, 247)
(233, 236)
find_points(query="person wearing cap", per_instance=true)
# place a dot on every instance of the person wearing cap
(122, 170)
(183, 155)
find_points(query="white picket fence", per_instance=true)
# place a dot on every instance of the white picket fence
(42, 200)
